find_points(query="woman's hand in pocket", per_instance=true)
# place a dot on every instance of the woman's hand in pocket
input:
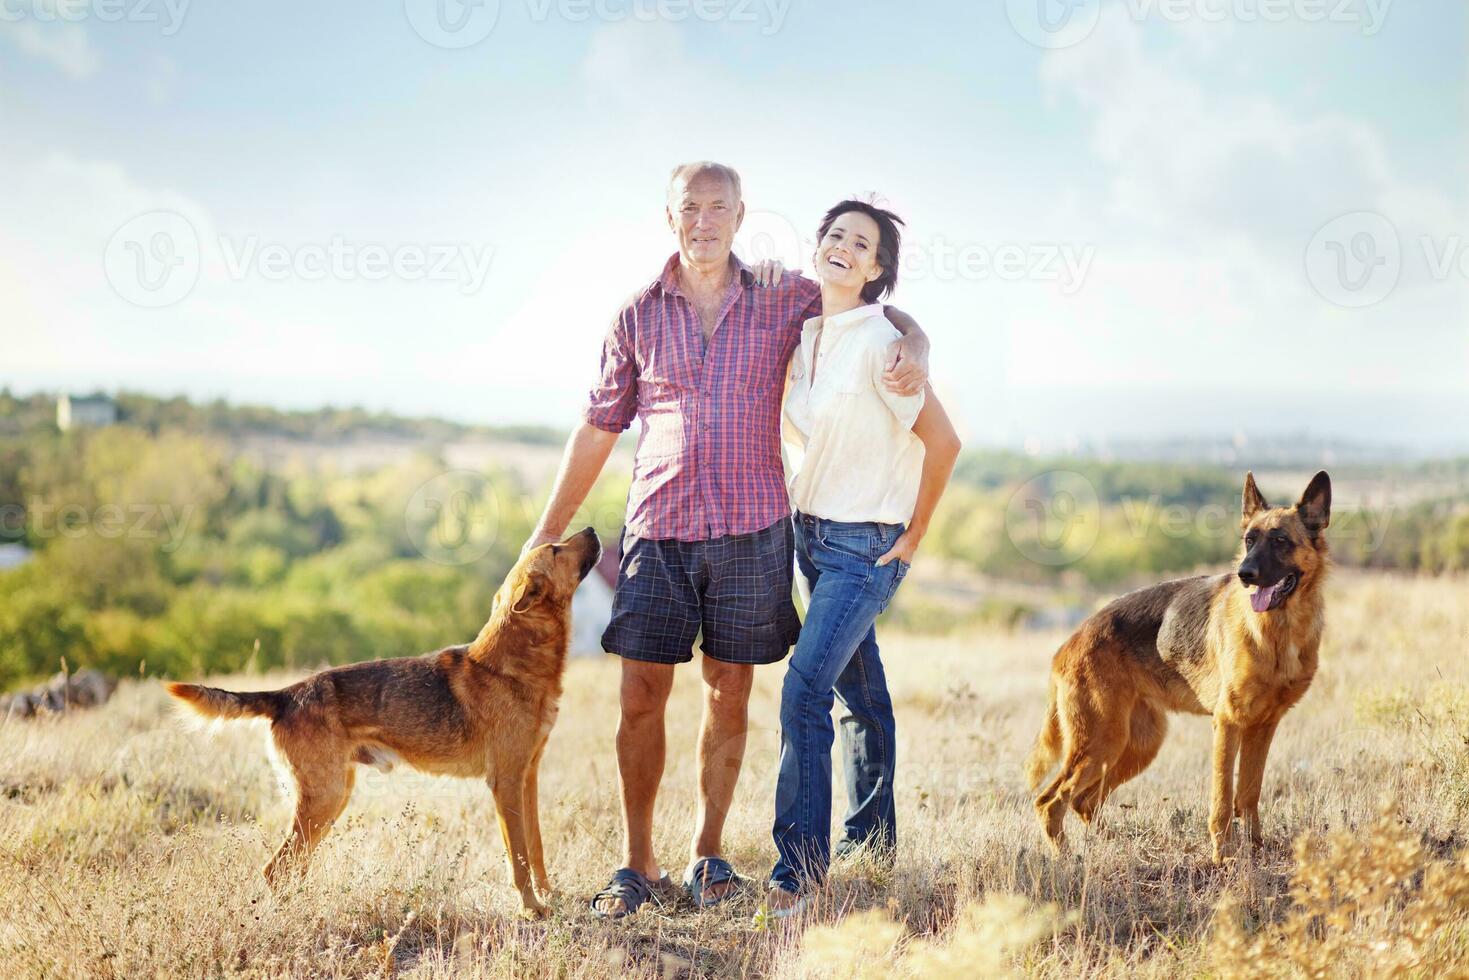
(902, 549)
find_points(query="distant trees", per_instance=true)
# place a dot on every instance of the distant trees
(159, 547)
(164, 550)
(37, 412)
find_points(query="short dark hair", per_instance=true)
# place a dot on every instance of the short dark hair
(889, 243)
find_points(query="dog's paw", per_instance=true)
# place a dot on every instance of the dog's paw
(1224, 858)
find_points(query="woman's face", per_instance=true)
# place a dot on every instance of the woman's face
(847, 254)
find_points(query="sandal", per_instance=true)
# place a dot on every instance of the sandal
(633, 888)
(706, 871)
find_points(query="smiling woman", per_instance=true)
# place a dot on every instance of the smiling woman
(869, 466)
(872, 234)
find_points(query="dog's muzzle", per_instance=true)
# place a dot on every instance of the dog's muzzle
(593, 552)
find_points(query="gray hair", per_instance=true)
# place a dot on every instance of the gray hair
(688, 171)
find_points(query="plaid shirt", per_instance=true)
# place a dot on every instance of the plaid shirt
(708, 459)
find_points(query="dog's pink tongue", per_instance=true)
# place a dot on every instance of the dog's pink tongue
(1261, 597)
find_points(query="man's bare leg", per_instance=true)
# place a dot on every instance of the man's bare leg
(640, 754)
(721, 753)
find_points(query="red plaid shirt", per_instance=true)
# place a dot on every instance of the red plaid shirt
(708, 459)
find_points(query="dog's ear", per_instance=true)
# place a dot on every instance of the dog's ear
(1314, 506)
(1253, 501)
(527, 592)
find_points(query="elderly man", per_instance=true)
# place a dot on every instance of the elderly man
(698, 356)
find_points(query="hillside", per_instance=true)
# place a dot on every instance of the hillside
(192, 539)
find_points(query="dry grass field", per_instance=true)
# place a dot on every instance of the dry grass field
(130, 845)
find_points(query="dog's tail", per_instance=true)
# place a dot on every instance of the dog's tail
(1047, 744)
(212, 702)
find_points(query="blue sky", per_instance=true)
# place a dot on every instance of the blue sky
(1122, 236)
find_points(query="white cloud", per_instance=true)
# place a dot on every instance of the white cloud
(162, 77)
(645, 64)
(1210, 198)
(64, 318)
(65, 45)
(1183, 156)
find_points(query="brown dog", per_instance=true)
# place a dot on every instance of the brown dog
(482, 709)
(1204, 645)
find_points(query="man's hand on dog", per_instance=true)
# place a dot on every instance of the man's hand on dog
(538, 537)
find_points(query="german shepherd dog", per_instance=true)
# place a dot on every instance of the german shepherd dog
(1206, 645)
(482, 709)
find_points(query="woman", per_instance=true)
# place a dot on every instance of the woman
(869, 467)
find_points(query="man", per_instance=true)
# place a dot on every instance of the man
(699, 357)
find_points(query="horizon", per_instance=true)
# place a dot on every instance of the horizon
(1197, 447)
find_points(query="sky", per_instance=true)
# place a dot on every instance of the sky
(1126, 219)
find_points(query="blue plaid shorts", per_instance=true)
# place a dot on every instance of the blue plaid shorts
(736, 589)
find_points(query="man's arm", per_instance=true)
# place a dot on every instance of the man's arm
(907, 359)
(586, 453)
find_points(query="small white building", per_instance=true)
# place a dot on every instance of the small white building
(87, 411)
(13, 556)
(591, 606)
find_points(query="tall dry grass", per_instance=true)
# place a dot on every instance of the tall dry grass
(131, 845)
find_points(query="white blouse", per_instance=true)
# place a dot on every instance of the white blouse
(849, 441)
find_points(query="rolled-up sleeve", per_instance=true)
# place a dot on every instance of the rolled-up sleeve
(613, 401)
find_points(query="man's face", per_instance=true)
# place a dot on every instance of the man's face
(704, 214)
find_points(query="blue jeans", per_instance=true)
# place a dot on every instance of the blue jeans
(836, 655)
